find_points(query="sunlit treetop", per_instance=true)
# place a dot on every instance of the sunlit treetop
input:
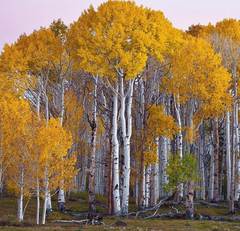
(118, 36)
(224, 37)
(229, 28)
(197, 74)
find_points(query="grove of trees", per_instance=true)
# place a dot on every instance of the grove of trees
(120, 103)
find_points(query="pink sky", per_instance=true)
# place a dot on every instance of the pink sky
(19, 16)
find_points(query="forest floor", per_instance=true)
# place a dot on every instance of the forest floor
(77, 206)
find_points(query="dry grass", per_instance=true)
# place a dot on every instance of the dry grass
(78, 203)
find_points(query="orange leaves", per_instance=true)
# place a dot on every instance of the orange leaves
(29, 145)
(229, 28)
(225, 39)
(73, 114)
(150, 155)
(197, 74)
(53, 141)
(16, 132)
(160, 124)
(118, 36)
(44, 49)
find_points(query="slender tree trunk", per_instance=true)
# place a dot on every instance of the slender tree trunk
(110, 180)
(142, 198)
(137, 190)
(237, 152)
(46, 195)
(179, 138)
(212, 171)
(142, 119)
(216, 160)
(202, 173)
(46, 108)
(61, 193)
(163, 164)
(235, 144)
(126, 135)
(39, 97)
(148, 185)
(91, 183)
(20, 199)
(115, 154)
(155, 179)
(37, 180)
(228, 155)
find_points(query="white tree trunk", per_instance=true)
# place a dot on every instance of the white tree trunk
(92, 178)
(148, 185)
(37, 180)
(228, 155)
(211, 179)
(62, 101)
(126, 126)
(202, 173)
(61, 193)
(46, 197)
(235, 144)
(38, 105)
(179, 137)
(20, 199)
(237, 151)
(163, 164)
(156, 179)
(143, 199)
(61, 199)
(115, 154)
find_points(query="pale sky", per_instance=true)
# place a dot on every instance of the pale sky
(23, 16)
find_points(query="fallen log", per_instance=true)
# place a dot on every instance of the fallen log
(156, 208)
(71, 221)
(83, 222)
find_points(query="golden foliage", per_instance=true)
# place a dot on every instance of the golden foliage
(197, 75)
(118, 36)
(160, 124)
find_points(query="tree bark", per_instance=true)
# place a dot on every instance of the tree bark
(110, 180)
(61, 193)
(115, 154)
(216, 160)
(228, 155)
(189, 201)
(91, 178)
(212, 171)
(126, 125)
(46, 195)
(235, 144)
(20, 199)
(148, 185)
(163, 165)
(179, 137)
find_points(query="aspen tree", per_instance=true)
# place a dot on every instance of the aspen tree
(113, 42)
(203, 80)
